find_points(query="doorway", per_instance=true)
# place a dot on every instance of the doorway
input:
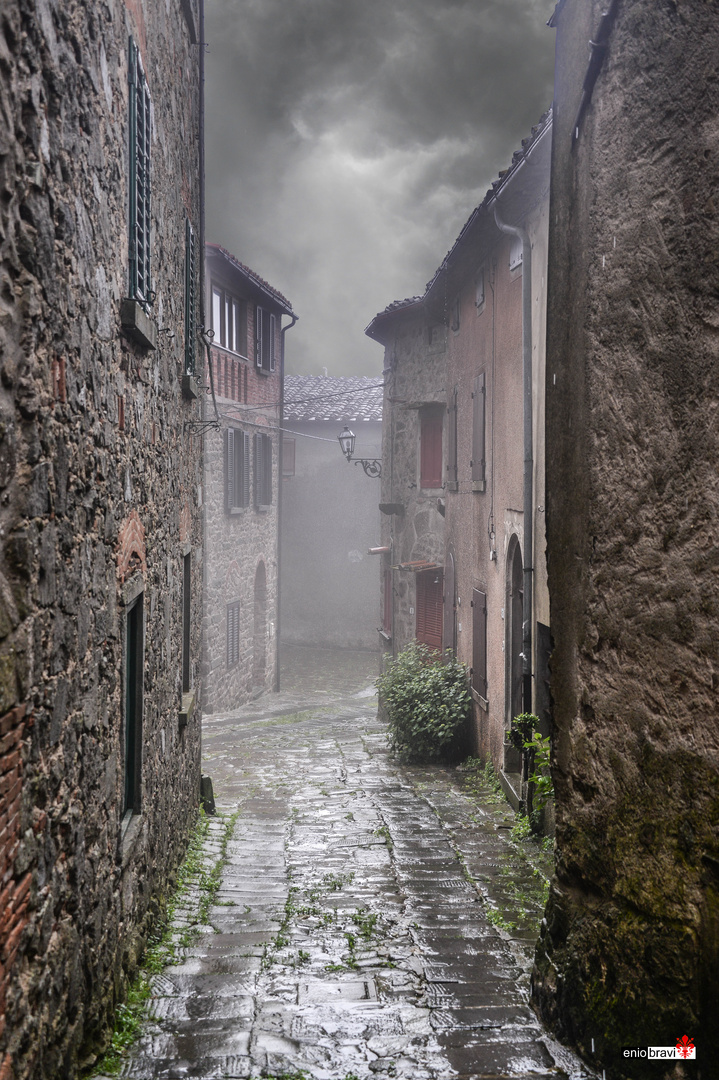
(514, 611)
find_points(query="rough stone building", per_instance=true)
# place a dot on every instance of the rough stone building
(330, 516)
(101, 487)
(459, 459)
(242, 482)
(630, 950)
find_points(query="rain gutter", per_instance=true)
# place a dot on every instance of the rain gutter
(280, 454)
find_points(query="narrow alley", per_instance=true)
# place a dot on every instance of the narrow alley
(370, 919)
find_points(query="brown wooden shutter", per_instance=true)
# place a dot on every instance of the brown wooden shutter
(267, 451)
(448, 635)
(387, 606)
(478, 440)
(479, 642)
(259, 466)
(229, 468)
(452, 441)
(245, 469)
(429, 608)
(430, 452)
(258, 336)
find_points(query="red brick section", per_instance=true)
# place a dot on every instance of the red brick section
(240, 380)
(131, 547)
(14, 892)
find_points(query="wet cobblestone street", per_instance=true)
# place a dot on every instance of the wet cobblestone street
(372, 919)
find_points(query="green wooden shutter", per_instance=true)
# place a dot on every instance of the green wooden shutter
(258, 336)
(245, 469)
(139, 178)
(190, 299)
(272, 343)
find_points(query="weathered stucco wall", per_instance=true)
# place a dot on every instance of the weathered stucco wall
(630, 949)
(100, 492)
(330, 519)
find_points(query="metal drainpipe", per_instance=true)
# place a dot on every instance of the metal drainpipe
(280, 451)
(528, 496)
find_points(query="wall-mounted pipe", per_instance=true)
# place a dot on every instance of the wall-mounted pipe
(280, 454)
(528, 498)
(379, 550)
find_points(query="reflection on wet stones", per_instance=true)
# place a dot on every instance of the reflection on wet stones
(352, 931)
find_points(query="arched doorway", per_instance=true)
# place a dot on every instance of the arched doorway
(259, 637)
(514, 609)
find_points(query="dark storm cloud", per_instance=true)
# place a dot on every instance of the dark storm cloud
(348, 140)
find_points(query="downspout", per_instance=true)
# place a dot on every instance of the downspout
(528, 494)
(201, 155)
(280, 451)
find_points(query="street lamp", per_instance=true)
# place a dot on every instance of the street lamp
(371, 466)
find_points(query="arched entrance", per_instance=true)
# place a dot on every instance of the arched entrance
(514, 608)
(259, 637)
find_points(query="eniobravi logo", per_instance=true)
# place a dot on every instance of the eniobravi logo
(684, 1050)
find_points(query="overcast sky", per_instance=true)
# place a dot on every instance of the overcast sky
(349, 140)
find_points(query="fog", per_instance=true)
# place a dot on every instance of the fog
(348, 141)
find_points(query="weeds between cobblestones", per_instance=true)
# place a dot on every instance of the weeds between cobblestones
(195, 881)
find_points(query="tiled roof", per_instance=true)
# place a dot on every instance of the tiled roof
(326, 397)
(254, 278)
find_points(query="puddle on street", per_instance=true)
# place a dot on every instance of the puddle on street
(370, 919)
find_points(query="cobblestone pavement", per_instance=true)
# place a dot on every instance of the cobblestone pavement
(372, 920)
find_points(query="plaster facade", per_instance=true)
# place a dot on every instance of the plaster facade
(100, 530)
(240, 622)
(629, 953)
(458, 349)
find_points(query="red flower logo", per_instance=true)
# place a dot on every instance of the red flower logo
(685, 1045)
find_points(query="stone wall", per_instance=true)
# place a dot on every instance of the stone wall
(97, 473)
(630, 949)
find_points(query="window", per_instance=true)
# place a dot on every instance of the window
(515, 253)
(479, 397)
(186, 621)
(237, 469)
(229, 320)
(132, 742)
(452, 471)
(429, 608)
(263, 470)
(430, 450)
(265, 339)
(190, 298)
(233, 633)
(139, 239)
(479, 292)
(288, 457)
(479, 643)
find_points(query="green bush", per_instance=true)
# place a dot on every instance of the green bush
(427, 703)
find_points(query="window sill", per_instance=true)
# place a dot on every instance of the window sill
(263, 371)
(137, 324)
(482, 702)
(236, 511)
(187, 708)
(385, 636)
(452, 485)
(229, 352)
(263, 508)
(479, 485)
(190, 386)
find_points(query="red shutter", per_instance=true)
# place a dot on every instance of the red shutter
(387, 606)
(478, 458)
(430, 451)
(429, 608)
(479, 642)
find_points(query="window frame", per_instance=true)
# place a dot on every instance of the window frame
(429, 605)
(431, 455)
(228, 301)
(289, 452)
(265, 334)
(133, 707)
(190, 297)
